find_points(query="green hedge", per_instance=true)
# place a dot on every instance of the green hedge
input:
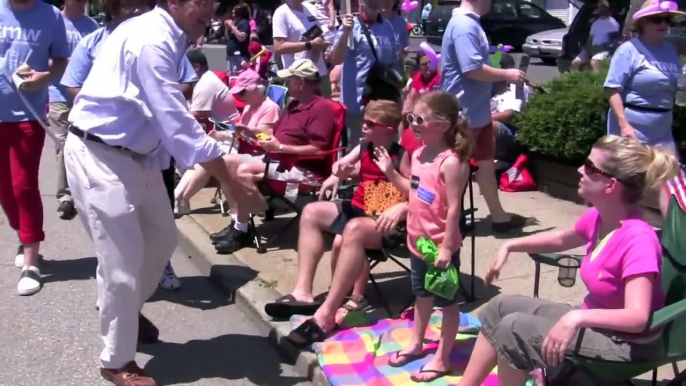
(564, 122)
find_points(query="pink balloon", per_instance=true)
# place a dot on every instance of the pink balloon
(253, 25)
(409, 5)
(431, 54)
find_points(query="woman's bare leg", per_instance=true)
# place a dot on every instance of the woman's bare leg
(509, 376)
(481, 362)
(316, 218)
(335, 252)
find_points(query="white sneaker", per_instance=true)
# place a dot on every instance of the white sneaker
(169, 279)
(182, 207)
(30, 281)
(19, 259)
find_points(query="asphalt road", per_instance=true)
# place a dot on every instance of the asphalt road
(52, 338)
(538, 72)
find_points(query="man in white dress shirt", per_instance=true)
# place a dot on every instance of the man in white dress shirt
(131, 105)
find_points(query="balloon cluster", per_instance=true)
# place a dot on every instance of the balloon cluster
(253, 25)
(408, 5)
(434, 58)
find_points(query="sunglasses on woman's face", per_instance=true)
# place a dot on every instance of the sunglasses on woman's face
(659, 19)
(590, 169)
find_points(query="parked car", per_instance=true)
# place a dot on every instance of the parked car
(578, 33)
(546, 45)
(508, 22)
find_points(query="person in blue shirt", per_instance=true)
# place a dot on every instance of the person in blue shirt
(75, 75)
(642, 81)
(389, 10)
(466, 72)
(77, 25)
(352, 49)
(33, 44)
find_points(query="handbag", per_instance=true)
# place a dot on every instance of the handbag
(441, 282)
(383, 82)
(380, 195)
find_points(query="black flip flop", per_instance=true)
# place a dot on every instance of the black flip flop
(361, 304)
(437, 374)
(287, 306)
(306, 334)
(404, 359)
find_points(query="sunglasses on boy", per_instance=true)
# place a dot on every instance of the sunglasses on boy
(373, 124)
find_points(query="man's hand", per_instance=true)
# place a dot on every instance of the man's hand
(230, 25)
(319, 44)
(272, 144)
(627, 130)
(347, 23)
(34, 81)
(514, 75)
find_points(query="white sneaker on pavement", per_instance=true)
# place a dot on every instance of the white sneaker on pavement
(30, 281)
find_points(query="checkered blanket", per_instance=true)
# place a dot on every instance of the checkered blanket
(357, 356)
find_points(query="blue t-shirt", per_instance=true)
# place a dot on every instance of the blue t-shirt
(32, 36)
(76, 30)
(464, 49)
(646, 75)
(359, 59)
(87, 50)
(402, 39)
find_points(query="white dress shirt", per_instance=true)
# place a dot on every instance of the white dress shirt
(132, 96)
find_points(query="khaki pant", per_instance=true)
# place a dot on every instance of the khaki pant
(121, 200)
(57, 117)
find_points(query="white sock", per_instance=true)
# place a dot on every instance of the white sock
(241, 226)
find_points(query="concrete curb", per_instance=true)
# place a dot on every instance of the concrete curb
(250, 297)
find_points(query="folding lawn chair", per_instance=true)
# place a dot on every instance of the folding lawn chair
(671, 319)
(278, 94)
(398, 242)
(275, 190)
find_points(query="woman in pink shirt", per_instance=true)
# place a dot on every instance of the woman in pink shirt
(621, 271)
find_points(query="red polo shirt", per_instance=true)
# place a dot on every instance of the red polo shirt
(311, 123)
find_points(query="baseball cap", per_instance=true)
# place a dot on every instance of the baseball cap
(247, 80)
(197, 57)
(301, 68)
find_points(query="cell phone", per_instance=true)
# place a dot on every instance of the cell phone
(314, 32)
(221, 126)
(523, 66)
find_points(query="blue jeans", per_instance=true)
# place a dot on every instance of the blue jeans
(418, 268)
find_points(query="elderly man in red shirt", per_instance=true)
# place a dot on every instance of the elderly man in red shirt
(306, 127)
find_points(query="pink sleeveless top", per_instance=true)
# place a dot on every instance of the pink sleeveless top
(428, 204)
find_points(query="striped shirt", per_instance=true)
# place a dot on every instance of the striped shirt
(677, 187)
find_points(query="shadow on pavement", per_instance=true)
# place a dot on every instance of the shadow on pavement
(68, 270)
(230, 357)
(193, 294)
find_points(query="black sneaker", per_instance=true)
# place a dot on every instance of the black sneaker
(222, 234)
(66, 210)
(233, 242)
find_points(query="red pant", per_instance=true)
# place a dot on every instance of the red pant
(21, 146)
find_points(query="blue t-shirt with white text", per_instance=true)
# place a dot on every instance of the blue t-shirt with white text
(32, 36)
(465, 49)
(76, 30)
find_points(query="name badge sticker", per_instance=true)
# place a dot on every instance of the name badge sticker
(425, 196)
(414, 182)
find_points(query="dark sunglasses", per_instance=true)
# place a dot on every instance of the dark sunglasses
(659, 19)
(590, 169)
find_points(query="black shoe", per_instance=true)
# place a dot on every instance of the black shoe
(66, 210)
(147, 332)
(222, 234)
(233, 242)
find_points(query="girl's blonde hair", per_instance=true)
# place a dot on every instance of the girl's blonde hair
(640, 168)
(444, 105)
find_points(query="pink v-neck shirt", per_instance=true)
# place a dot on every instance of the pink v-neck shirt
(631, 250)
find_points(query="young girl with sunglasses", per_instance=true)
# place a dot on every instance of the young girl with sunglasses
(621, 271)
(440, 170)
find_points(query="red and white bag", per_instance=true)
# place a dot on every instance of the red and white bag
(517, 178)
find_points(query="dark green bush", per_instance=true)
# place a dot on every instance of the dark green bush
(564, 122)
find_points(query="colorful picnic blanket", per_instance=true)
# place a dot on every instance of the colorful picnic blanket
(359, 355)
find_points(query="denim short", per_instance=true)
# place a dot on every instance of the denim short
(419, 267)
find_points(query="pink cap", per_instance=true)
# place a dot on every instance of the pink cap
(246, 80)
(657, 7)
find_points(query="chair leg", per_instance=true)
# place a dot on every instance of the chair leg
(537, 277)
(473, 233)
(678, 378)
(384, 303)
(257, 240)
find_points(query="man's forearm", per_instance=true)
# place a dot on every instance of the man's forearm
(340, 50)
(487, 74)
(57, 67)
(289, 47)
(503, 116)
(301, 150)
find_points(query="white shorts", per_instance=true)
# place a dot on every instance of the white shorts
(583, 56)
(294, 175)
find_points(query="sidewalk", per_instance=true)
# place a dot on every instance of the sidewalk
(258, 279)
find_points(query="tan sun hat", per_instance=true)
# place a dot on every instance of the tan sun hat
(301, 68)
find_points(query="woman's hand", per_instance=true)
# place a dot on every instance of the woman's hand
(443, 260)
(556, 343)
(497, 265)
(383, 160)
(388, 221)
(330, 186)
(627, 130)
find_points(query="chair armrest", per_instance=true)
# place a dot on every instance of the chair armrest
(666, 315)
(302, 157)
(553, 259)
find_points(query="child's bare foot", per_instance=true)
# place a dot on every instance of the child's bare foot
(405, 356)
(431, 371)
